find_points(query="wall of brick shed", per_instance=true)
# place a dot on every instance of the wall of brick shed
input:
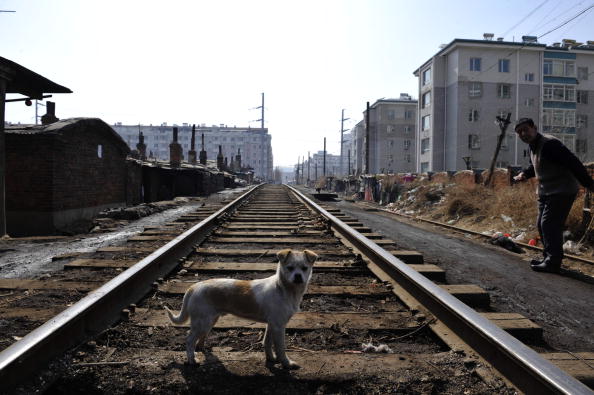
(29, 172)
(134, 190)
(82, 178)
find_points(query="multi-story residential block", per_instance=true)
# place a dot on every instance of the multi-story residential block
(254, 144)
(317, 168)
(468, 83)
(392, 124)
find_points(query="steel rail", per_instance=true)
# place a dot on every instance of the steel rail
(101, 307)
(525, 369)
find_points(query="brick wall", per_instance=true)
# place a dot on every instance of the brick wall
(29, 172)
(89, 169)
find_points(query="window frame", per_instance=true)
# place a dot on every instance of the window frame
(475, 89)
(503, 65)
(475, 64)
(501, 91)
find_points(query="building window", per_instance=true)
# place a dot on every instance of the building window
(475, 64)
(407, 129)
(503, 91)
(474, 141)
(424, 167)
(558, 92)
(409, 114)
(529, 102)
(547, 92)
(391, 115)
(406, 144)
(473, 115)
(581, 121)
(426, 78)
(559, 68)
(389, 128)
(582, 73)
(426, 122)
(581, 146)
(475, 89)
(582, 97)
(529, 77)
(425, 145)
(426, 101)
(504, 65)
(558, 117)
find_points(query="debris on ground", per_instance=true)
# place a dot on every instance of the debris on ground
(505, 242)
(380, 348)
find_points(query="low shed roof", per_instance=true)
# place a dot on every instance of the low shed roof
(26, 82)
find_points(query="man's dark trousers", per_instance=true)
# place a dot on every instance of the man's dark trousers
(552, 213)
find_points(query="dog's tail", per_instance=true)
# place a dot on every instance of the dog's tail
(183, 314)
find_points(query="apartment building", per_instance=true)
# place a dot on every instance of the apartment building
(392, 124)
(254, 144)
(468, 83)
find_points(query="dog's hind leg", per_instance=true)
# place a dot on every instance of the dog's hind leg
(199, 330)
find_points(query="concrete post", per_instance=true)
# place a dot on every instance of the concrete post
(50, 114)
(141, 147)
(192, 151)
(220, 163)
(175, 151)
(203, 153)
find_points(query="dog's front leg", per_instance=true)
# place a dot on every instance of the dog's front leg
(267, 342)
(278, 336)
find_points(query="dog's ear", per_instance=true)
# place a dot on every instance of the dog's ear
(310, 255)
(282, 255)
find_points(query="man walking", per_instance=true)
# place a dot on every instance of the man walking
(558, 172)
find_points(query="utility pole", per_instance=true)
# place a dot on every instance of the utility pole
(342, 119)
(324, 162)
(308, 163)
(262, 112)
(37, 116)
(366, 169)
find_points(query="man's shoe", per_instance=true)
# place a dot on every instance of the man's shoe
(546, 267)
(534, 262)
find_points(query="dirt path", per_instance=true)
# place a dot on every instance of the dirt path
(561, 305)
(24, 258)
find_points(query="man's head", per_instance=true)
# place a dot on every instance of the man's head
(526, 130)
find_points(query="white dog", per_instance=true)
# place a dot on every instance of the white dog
(273, 300)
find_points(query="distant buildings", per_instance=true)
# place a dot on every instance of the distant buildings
(468, 83)
(254, 144)
(391, 137)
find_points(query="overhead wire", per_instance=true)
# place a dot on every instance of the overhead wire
(525, 17)
(567, 21)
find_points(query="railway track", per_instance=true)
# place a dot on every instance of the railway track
(441, 337)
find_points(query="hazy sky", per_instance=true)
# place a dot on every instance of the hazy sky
(208, 61)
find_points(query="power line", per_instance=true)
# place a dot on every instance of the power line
(526, 17)
(544, 22)
(569, 20)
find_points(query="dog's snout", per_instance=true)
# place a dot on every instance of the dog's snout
(298, 279)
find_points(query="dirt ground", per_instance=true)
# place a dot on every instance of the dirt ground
(561, 304)
(29, 257)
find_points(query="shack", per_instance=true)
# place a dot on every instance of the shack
(60, 175)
